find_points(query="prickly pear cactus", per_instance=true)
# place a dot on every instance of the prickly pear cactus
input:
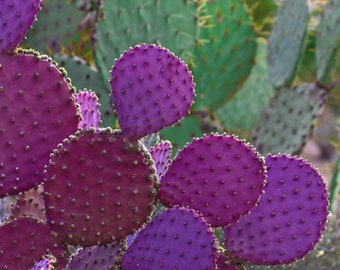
(287, 40)
(327, 41)
(287, 122)
(98, 257)
(109, 195)
(223, 63)
(181, 234)
(161, 154)
(289, 219)
(25, 241)
(218, 175)
(243, 110)
(125, 23)
(38, 111)
(86, 76)
(16, 18)
(151, 89)
(89, 109)
(61, 25)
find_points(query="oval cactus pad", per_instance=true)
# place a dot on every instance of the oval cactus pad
(108, 196)
(161, 154)
(178, 238)
(16, 17)
(24, 242)
(289, 219)
(218, 175)
(151, 89)
(37, 112)
(89, 108)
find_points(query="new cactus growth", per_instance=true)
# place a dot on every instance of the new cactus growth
(97, 198)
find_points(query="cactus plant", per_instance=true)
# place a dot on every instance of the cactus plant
(100, 184)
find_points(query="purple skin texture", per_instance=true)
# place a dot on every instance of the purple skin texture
(38, 112)
(16, 18)
(89, 109)
(289, 219)
(161, 153)
(218, 175)
(108, 197)
(178, 238)
(97, 257)
(25, 241)
(151, 89)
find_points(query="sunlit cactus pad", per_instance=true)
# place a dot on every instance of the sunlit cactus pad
(223, 61)
(151, 89)
(289, 219)
(218, 175)
(178, 238)
(16, 19)
(286, 123)
(89, 109)
(23, 243)
(108, 196)
(37, 112)
(98, 257)
(286, 41)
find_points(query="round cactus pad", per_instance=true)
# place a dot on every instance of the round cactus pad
(24, 242)
(107, 197)
(178, 238)
(151, 89)
(218, 175)
(16, 17)
(289, 219)
(37, 112)
(97, 257)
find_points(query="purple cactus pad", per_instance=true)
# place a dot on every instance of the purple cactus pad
(23, 243)
(16, 18)
(218, 175)
(161, 153)
(98, 257)
(37, 112)
(289, 219)
(89, 108)
(151, 89)
(99, 188)
(178, 238)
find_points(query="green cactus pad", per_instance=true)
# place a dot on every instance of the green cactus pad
(286, 41)
(86, 76)
(222, 65)
(327, 41)
(183, 132)
(107, 197)
(287, 122)
(61, 25)
(242, 111)
(126, 23)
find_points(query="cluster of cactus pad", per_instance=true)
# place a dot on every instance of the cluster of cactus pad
(86, 197)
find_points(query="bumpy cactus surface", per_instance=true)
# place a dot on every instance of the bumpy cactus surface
(86, 197)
